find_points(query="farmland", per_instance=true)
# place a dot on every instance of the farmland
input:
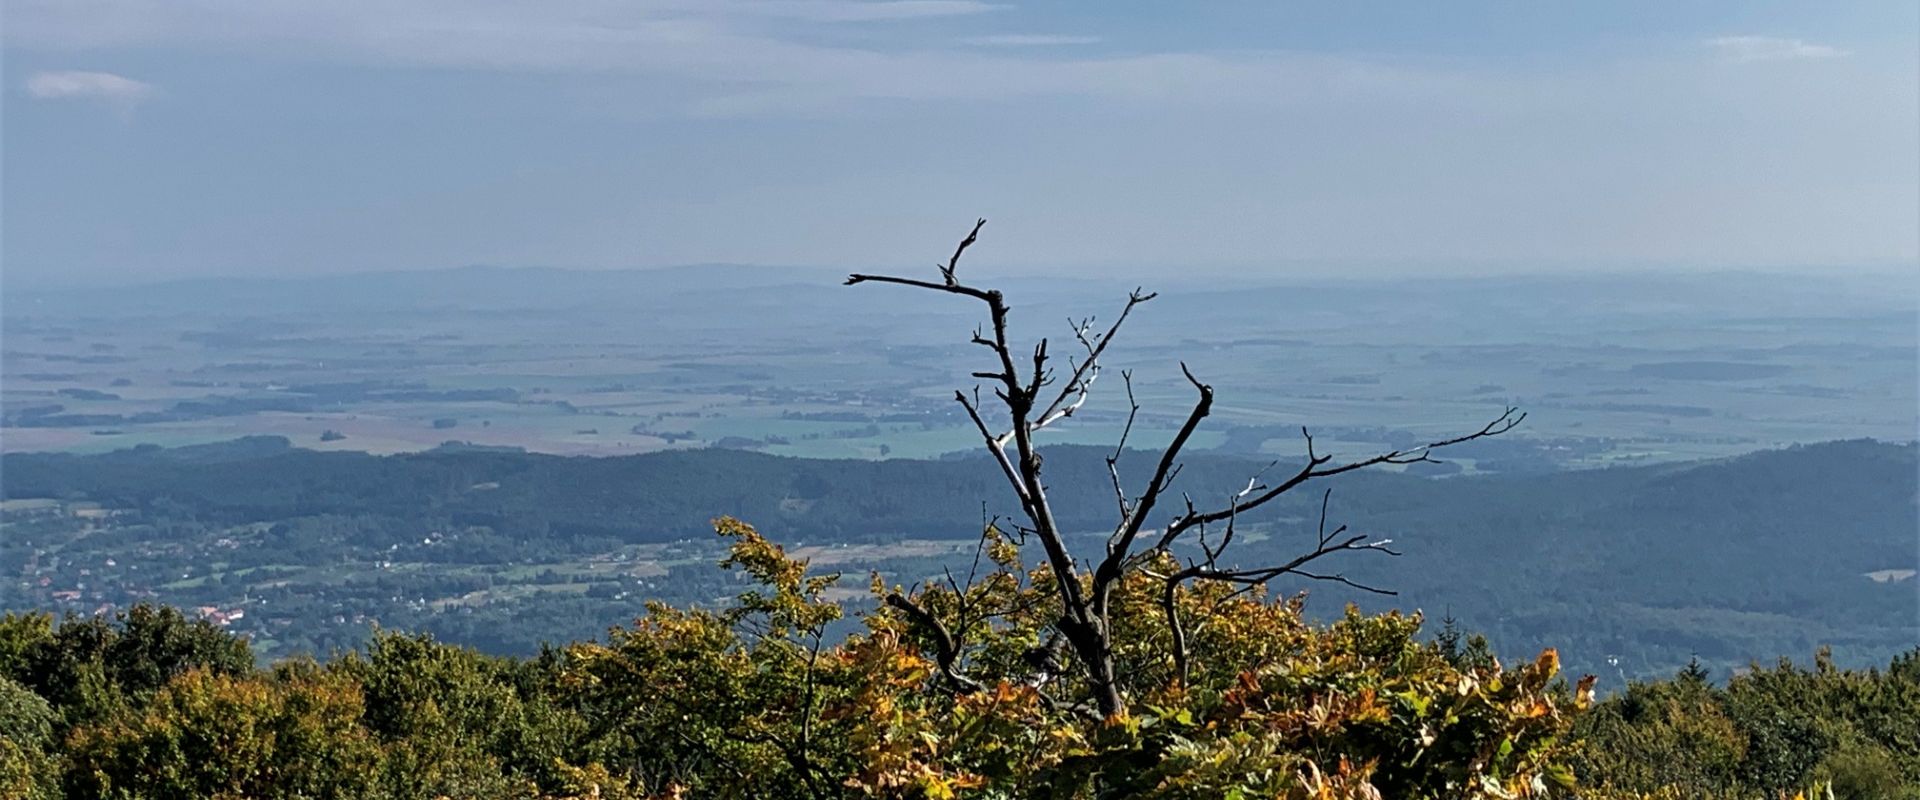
(788, 363)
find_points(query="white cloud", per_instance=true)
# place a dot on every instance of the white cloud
(855, 11)
(1741, 49)
(1030, 40)
(105, 87)
(734, 57)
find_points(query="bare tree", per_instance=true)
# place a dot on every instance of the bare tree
(1033, 397)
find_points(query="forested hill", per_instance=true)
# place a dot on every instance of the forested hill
(1773, 553)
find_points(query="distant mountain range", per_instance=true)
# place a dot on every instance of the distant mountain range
(481, 288)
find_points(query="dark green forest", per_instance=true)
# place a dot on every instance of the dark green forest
(748, 703)
(1629, 571)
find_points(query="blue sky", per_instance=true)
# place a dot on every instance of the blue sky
(148, 139)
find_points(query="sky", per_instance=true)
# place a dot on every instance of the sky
(154, 139)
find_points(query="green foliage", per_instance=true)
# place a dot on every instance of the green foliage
(92, 668)
(20, 636)
(206, 735)
(453, 723)
(27, 767)
(1769, 732)
(775, 695)
(755, 700)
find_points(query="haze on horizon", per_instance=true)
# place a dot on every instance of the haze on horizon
(148, 140)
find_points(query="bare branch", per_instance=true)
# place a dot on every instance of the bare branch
(953, 263)
(1326, 543)
(1074, 392)
(1122, 543)
(1251, 579)
(1023, 468)
(998, 450)
(1343, 579)
(1317, 467)
(1178, 632)
(946, 649)
(858, 278)
(1113, 460)
(988, 525)
(1325, 498)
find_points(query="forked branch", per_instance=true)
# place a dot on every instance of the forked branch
(1019, 384)
(1322, 466)
(1209, 568)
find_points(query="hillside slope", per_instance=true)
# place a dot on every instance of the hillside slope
(1631, 570)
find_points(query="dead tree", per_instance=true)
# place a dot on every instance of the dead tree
(1034, 397)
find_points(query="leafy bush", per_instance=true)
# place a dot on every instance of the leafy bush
(1769, 732)
(780, 695)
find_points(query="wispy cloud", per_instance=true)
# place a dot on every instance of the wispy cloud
(102, 87)
(734, 57)
(856, 11)
(1029, 40)
(1742, 49)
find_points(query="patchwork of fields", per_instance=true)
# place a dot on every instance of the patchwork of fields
(1611, 369)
